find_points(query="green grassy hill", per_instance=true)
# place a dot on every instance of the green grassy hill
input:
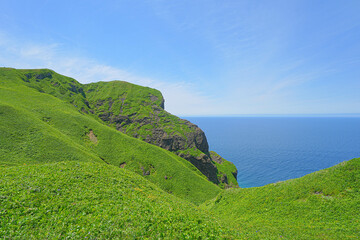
(132, 109)
(64, 173)
(321, 205)
(39, 128)
(139, 112)
(87, 200)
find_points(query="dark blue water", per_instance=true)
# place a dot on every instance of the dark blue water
(271, 149)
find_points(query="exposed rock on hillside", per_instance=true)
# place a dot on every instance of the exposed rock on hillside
(227, 172)
(134, 110)
(139, 112)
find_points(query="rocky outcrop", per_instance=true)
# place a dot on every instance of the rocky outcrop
(175, 141)
(39, 76)
(204, 164)
(139, 112)
(134, 110)
(227, 172)
(194, 138)
(216, 158)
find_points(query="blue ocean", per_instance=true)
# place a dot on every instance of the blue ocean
(271, 149)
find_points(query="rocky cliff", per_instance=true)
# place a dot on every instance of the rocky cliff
(136, 111)
(139, 112)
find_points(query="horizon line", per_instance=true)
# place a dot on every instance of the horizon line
(278, 115)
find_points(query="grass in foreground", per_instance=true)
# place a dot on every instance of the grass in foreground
(77, 200)
(36, 127)
(321, 205)
(54, 197)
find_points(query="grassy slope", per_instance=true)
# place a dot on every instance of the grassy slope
(78, 200)
(137, 100)
(321, 205)
(36, 128)
(226, 168)
(142, 104)
(90, 198)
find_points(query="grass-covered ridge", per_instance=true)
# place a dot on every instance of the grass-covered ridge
(139, 112)
(132, 109)
(39, 128)
(74, 200)
(321, 205)
(139, 104)
(62, 176)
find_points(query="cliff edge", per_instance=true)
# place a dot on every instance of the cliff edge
(136, 111)
(139, 112)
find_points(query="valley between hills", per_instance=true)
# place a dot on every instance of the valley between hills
(105, 160)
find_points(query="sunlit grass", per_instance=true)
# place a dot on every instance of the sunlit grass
(61, 177)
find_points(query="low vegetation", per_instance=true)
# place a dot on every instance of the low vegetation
(321, 205)
(66, 174)
(39, 128)
(86, 200)
(132, 109)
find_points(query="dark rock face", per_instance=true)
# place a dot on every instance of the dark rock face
(145, 118)
(176, 142)
(136, 111)
(43, 75)
(193, 138)
(235, 174)
(197, 138)
(224, 176)
(76, 89)
(39, 76)
(224, 179)
(217, 158)
(204, 164)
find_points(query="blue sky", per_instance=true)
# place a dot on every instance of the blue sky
(207, 57)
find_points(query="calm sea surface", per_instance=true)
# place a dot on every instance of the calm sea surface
(271, 149)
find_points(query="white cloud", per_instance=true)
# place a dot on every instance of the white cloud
(180, 97)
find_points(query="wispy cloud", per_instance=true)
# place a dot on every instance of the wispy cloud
(180, 97)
